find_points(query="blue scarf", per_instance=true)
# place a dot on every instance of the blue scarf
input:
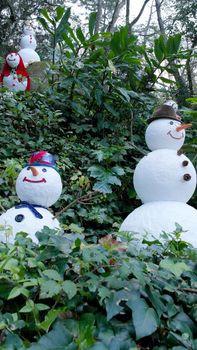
(31, 207)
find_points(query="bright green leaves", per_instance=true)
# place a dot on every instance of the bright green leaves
(177, 268)
(166, 47)
(105, 178)
(119, 41)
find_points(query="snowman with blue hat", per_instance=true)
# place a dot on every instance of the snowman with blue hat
(38, 186)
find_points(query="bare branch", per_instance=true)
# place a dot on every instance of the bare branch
(139, 15)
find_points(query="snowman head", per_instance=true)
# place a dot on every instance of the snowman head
(13, 59)
(165, 130)
(28, 30)
(39, 182)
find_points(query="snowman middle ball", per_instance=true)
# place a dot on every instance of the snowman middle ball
(39, 184)
(163, 175)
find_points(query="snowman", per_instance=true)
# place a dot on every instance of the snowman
(164, 180)
(28, 45)
(14, 75)
(38, 186)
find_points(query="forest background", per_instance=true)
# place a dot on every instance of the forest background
(100, 78)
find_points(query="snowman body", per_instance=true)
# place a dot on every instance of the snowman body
(38, 186)
(12, 82)
(21, 219)
(164, 180)
(28, 45)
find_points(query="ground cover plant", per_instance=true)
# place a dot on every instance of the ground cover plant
(67, 294)
(83, 289)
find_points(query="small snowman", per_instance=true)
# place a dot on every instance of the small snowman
(164, 180)
(38, 186)
(28, 45)
(14, 75)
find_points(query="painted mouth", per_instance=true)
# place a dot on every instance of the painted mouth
(34, 181)
(9, 59)
(176, 138)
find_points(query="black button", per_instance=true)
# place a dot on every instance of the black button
(185, 163)
(19, 217)
(187, 177)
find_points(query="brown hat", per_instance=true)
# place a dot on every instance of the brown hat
(166, 112)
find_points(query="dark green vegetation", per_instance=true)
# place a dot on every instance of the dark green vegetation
(88, 292)
(68, 294)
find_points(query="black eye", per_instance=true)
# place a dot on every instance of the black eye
(44, 170)
(28, 168)
(171, 123)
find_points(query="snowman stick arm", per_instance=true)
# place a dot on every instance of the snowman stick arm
(81, 199)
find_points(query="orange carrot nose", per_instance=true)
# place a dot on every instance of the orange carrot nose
(182, 127)
(34, 171)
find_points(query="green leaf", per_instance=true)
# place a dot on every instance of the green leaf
(16, 291)
(29, 307)
(59, 13)
(62, 26)
(159, 48)
(49, 289)
(57, 339)
(173, 44)
(45, 14)
(52, 274)
(45, 25)
(176, 268)
(50, 318)
(92, 21)
(102, 186)
(68, 42)
(69, 288)
(167, 81)
(145, 319)
(80, 35)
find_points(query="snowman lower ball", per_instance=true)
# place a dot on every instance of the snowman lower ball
(38, 186)
(153, 218)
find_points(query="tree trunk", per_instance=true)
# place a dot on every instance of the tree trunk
(182, 89)
(118, 6)
(148, 23)
(127, 12)
(99, 15)
(136, 19)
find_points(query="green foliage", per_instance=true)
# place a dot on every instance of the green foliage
(109, 295)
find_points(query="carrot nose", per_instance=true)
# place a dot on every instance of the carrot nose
(34, 171)
(182, 127)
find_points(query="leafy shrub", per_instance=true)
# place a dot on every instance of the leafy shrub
(65, 293)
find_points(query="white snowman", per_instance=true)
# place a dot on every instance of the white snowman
(28, 45)
(14, 75)
(38, 186)
(164, 180)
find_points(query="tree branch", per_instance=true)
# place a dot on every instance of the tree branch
(139, 15)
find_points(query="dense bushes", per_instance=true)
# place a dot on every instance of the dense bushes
(67, 294)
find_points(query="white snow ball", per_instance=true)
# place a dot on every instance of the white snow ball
(151, 219)
(28, 42)
(13, 59)
(163, 175)
(40, 185)
(162, 133)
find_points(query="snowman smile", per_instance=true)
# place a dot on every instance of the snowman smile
(34, 181)
(176, 138)
(9, 59)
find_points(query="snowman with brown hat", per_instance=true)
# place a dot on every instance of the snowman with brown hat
(164, 180)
